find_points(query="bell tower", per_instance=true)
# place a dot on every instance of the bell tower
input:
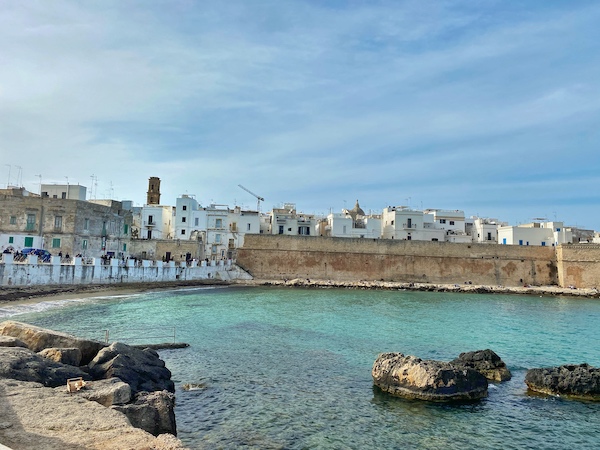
(153, 194)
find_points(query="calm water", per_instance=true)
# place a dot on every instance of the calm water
(291, 368)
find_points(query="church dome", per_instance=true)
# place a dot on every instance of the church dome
(357, 210)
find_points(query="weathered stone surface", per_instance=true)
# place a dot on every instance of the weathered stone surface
(486, 362)
(35, 417)
(411, 377)
(37, 339)
(19, 363)
(108, 392)
(9, 341)
(70, 356)
(577, 381)
(153, 412)
(143, 370)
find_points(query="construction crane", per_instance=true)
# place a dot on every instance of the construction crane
(258, 197)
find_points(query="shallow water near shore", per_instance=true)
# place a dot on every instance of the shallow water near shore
(290, 368)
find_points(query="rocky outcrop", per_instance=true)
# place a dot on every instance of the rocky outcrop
(153, 412)
(577, 381)
(107, 392)
(411, 377)
(70, 356)
(486, 362)
(38, 339)
(19, 363)
(143, 370)
(35, 417)
(9, 341)
(115, 375)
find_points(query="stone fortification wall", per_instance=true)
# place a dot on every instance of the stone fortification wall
(579, 265)
(343, 259)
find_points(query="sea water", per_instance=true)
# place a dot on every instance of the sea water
(281, 368)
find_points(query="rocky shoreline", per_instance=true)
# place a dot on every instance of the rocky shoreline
(429, 287)
(61, 392)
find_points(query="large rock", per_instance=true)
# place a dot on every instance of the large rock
(38, 339)
(70, 356)
(9, 341)
(34, 417)
(153, 412)
(486, 362)
(108, 392)
(577, 381)
(19, 363)
(411, 377)
(143, 370)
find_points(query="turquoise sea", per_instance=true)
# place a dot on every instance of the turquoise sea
(282, 368)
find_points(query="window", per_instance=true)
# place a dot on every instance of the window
(392, 223)
(124, 247)
(86, 224)
(248, 227)
(28, 241)
(196, 221)
(558, 229)
(183, 219)
(504, 241)
(57, 222)
(44, 194)
(84, 244)
(150, 220)
(184, 207)
(55, 243)
(182, 231)
(11, 240)
(218, 238)
(280, 229)
(30, 222)
(489, 236)
(64, 195)
(213, 249)
(13, 220)
(520, 241)
(125, 229)
(543, 244)
(442, 220)
(219, 223)
(452, 222)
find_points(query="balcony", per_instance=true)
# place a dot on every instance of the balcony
(30, 227)
(409, 226)
(150, 223)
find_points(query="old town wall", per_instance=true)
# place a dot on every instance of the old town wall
(578, 265)
(344, 259)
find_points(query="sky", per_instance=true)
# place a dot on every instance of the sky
(490, 107)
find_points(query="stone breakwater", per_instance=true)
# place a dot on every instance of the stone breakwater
(428, 287)
(126, 401)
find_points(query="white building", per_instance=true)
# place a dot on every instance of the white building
(155, 222)
(483, 230)
(221, 229)
(286, 220)
(64, 191)
(401, 222)
(536, 233)
(352, 223)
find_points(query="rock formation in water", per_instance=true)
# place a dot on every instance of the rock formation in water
(414, 378)
(486, 362)
(577, 381)
(132, 381)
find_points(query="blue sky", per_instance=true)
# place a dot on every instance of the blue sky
(492, 107)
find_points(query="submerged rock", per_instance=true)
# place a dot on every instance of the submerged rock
(414, 378)
(486, 362)
(577, 381)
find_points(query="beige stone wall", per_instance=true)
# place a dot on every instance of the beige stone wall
(342, 259)
(579, 265)
(157, 249)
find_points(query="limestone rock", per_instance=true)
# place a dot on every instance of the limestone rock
(577, 381)
(486, 362)
(70, 356)
(153, 412)
(108, 392)
(411, 377)
(19, 363)
(35, 417)
(37, 339)
(9, 341)
(143, 370)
